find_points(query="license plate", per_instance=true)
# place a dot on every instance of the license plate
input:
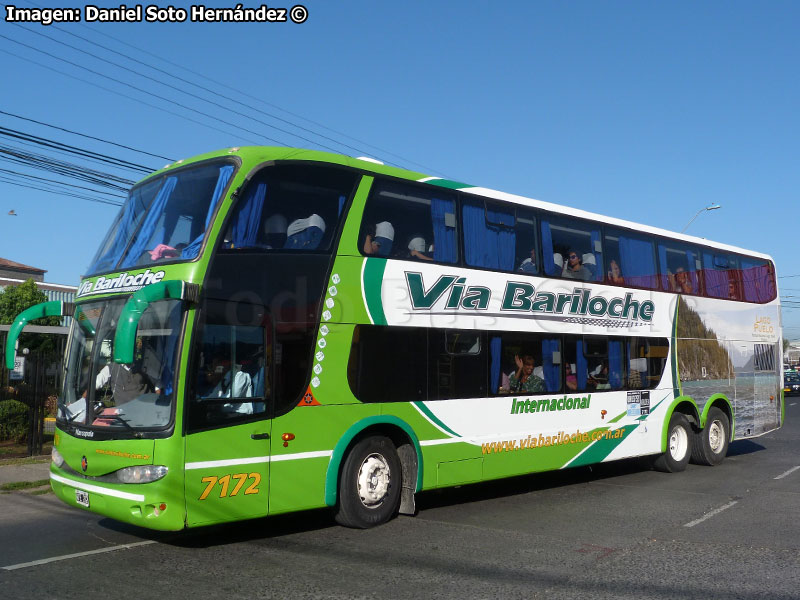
(82, 498)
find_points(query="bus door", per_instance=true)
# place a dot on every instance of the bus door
(227, 409)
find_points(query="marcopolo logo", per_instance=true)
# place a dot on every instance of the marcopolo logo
(521, 297)
(121, 283)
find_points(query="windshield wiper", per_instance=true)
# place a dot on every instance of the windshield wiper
(114, 418)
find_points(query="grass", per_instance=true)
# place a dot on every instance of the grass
(23, 485)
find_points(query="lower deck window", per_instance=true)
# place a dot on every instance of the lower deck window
(404, 364)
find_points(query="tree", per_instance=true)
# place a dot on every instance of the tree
(15, 299)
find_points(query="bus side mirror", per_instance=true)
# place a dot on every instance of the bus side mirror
(125, 337)
(55, 308)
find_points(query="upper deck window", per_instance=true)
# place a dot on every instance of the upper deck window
(165, 219)
(630, 260)
(290, 208)
(572, 249)
(410, 222)
(680, 266)
(499, 236)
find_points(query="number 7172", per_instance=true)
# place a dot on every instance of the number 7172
(224, 482)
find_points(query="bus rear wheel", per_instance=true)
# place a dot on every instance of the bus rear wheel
(679, 438)
(710, 444)
(369, 484)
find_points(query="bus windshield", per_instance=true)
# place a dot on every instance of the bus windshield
(164, 219)
(100, 393)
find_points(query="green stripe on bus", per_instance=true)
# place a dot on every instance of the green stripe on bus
(449, 184)
(600, 450)
(676, 379)
(372, 282)
(426, 411)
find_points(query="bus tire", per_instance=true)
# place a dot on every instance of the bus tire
(679, 442)
(710, 444)
(369, 484)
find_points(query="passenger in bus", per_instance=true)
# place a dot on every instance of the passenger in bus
(570, 378)
(529, 264)
(305, 234)
(615, 273)
(416, 249)
(221, 383)
(598, 378)
(523, 380)
(680, 281)
(574, 267)
(275, 231)
(379, 240)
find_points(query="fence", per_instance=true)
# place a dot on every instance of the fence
(36, 383)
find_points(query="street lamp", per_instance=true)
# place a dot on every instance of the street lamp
(712, 207)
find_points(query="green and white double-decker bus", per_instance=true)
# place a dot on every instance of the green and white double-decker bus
(266, 330)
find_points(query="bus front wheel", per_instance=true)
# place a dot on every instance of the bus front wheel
(710, 444)
(679, 439)
(369, 484)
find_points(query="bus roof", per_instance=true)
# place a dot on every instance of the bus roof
(258, 154)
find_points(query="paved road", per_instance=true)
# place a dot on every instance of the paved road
(614, 531)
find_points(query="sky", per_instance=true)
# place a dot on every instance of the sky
(643, 110)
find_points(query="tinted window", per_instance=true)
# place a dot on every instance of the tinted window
(231, 373)
(721, 276)
(410, 222)
(571, 249)
(289, 208)
(647, 358)
(499, 236)
(758, 280)
(679, 265)
(630, 260)
(458, 364)
(389, 364)
(524, 363)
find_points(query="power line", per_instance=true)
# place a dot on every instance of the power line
(138, 89)
(127, 97)
(242, 93)
(91, 137)
(176, 88)
(214, 92)
(16, 134)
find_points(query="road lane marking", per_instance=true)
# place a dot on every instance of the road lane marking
(714, 512)
(789, 472)
(44, 561)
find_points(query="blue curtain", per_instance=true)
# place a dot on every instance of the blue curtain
(598, 256)
(662, 261)
(757, 282)
(247, 222)
(501, 225)
(580, 366)
(474, 243)
(552, 378)
(637, 265)
(694, 276)
(341, 204)
(489, 244)
(716, 280)
(550, 267)
(494, 353)
(148, 227)
(193, 249)
(444, 237)
(615, 364)
(122, 236)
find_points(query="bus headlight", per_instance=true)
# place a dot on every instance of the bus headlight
(56, 458)
(141, 473)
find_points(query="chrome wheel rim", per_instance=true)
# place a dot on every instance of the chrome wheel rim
(374, 478)
(716, 436)
(678, 443)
